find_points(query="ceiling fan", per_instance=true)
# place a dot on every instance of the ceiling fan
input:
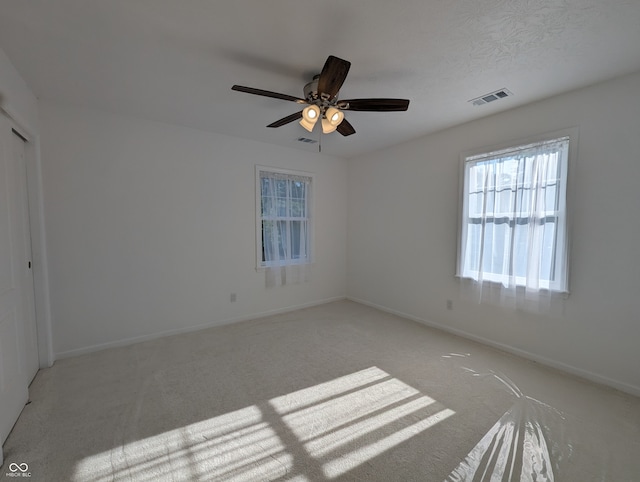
(321, 98)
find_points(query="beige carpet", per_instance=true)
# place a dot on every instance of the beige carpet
(335, 392)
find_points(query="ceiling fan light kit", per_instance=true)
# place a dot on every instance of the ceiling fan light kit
(331, 120)
(310, 115)
(321, 97)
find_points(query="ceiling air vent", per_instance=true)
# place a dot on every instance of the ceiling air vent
(490, 97)
(306, 140)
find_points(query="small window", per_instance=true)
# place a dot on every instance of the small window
(513, 222)
(283, 217)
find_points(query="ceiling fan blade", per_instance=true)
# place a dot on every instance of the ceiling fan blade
(268, 93)
(286, 120)
(375, 105)
(332, 77)
(345, 128)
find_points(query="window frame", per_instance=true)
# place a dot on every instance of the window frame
(260, 264)
(564, 217)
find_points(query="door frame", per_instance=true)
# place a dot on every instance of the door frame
(38, 240)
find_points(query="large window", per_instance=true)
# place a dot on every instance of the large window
(513, 224)
(283, 217)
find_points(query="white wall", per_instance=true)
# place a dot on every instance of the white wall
(16, 98)
(151, 227)
(402, 236)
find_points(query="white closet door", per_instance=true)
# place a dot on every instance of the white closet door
(15, 292)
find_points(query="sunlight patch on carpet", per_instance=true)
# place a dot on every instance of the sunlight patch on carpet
(237, 446)
(369, 413)
(329, 428)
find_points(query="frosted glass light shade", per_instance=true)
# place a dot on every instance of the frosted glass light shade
(310, 116)
(333, 118)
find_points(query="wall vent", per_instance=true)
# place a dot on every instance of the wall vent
(491, 96)
(306, 140)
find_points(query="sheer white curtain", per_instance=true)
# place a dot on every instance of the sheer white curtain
(285, 203)
(513, 243)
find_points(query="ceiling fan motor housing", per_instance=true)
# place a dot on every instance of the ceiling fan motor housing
(311, 96)
(311, 89)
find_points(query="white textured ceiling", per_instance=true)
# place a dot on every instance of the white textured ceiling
(175, 60)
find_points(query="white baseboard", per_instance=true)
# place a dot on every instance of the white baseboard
(594, 377)
(189, 329)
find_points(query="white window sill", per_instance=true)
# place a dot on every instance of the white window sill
(263, 267)
(493, 283)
